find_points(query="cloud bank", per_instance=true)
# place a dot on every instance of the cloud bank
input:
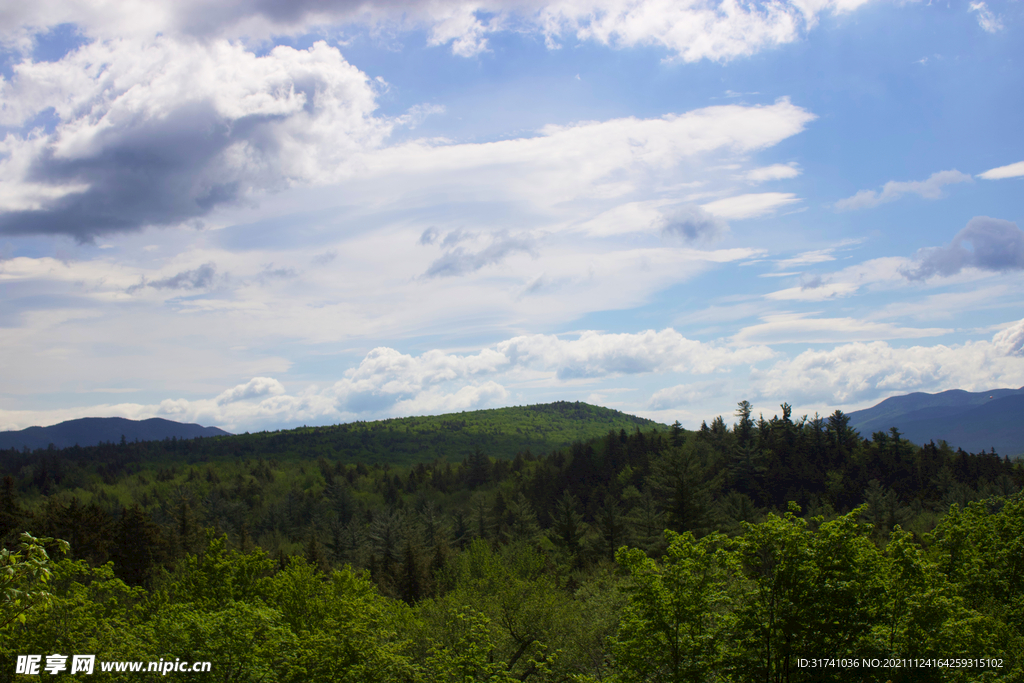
(387, 382)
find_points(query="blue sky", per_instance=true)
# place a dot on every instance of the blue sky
(259, 215)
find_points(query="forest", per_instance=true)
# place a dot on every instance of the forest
(436, 549)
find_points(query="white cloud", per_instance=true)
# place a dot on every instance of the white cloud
(893, 190)
(773, 172)
(987, 20)
(387, 382)
(1009, 171)
(166, 130)
(749, 205)
(471, 397)
(1011, 340)
(257, 386)
(691, 30)
(800, 328)
(684, 394)
(593, 159)
(197, 126)
(816, 289)
(808, 258)
(595, 354)
(857, 372)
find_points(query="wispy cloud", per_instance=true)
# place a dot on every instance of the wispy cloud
(773, 172)
(1009, 171)
(689, 30)
(461, 261)
(197, 278)
(749, 205)
(987, 19)
(893, 190)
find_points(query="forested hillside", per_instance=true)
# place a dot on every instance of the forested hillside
(503, 432)
(728, 553)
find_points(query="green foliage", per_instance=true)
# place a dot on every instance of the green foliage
(244, 641)
(89, 611)
(806, 591)
(24, 575)
(502, 567)
(672, 627)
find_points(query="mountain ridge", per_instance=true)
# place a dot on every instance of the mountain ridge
(91, 431)
(973, 421)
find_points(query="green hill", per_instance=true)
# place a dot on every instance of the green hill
(499, 433)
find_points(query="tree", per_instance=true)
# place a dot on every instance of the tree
(568, 528)
(680, 483)
(138, 546)
(24, 575)
(672, 627)
(744, 429)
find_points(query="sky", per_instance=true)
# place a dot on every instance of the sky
(259, 215)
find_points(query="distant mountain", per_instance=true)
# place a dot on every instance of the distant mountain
(89, 431)
(972, 421)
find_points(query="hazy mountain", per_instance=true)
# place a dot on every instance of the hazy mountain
(973, 421)
(89, 431)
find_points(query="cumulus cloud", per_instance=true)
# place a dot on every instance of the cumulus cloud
(1009, 171)
(161, 132)
(387, 382)
(1011, 340)
(254, 388)
(597, 354)
(986, 243)
(470, 397)
(693, 224)
(856, 372)
(683, 394)
(893, 190)
(386, 372)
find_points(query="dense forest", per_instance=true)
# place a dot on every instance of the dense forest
(430, 549)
